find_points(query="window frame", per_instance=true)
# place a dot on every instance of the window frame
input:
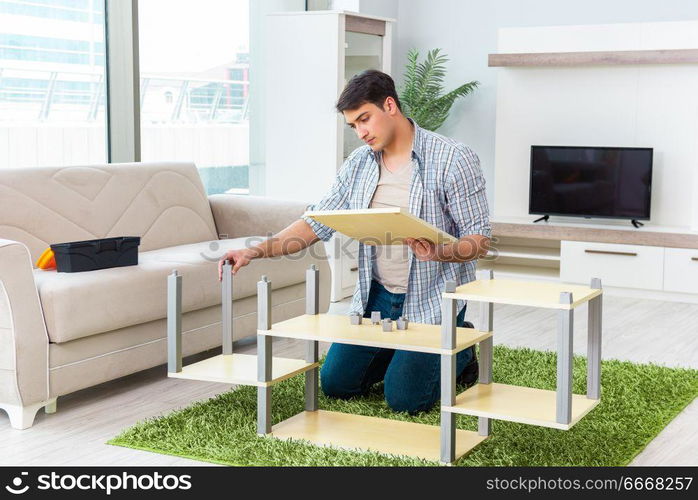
(123, 75)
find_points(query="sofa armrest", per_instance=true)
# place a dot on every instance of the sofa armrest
(23, 336)
(237, 216)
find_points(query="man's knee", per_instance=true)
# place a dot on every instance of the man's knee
(402, 401)
(332, 385)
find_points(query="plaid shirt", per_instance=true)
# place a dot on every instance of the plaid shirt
(447, 190)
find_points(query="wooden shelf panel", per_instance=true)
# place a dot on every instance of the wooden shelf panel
(522, 293)
(533, 253)
(648, 235)
(359, 24)
(241, 369)
(418, 337)
(518, 404)
(380, 226)
(521, 272)
(595, 58)
(356, 432)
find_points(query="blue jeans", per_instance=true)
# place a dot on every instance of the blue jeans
(411, 379)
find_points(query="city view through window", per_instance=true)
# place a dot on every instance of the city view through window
(194, 85)
(194, 63)
(52, 83)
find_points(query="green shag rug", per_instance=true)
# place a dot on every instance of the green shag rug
(638, 401)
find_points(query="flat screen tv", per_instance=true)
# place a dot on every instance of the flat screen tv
(606, 182)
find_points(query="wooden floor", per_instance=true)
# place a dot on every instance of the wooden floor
(636, 330)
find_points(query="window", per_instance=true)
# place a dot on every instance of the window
(52, 86)
(194, 88)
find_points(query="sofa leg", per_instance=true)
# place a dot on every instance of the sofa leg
(22, 417)
(51, 406)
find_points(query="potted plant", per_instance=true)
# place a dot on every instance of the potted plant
(422, 95)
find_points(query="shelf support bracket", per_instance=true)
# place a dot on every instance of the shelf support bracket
(264, 351)
(565, 327)
(227, 307)
(312, 307)
(594, 344)
(174, 322)
(448, 376)
(484, 424)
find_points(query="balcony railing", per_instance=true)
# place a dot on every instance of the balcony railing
(40, 95)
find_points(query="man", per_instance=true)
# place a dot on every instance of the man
(436, 179)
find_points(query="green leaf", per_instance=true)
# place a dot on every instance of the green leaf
(422, 94)
(409, 90)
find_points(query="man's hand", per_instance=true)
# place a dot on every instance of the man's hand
(240, 258)
(291, 239)
(423, 249)
(468, 248)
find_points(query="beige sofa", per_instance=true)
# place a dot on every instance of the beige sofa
(61, 332)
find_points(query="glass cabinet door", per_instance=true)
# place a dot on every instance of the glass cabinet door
(362, 51)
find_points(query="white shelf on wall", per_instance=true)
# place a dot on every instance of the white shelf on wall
(594, 58)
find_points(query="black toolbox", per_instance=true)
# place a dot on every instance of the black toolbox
(90, 255)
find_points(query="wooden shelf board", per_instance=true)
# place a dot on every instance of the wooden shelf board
(418, 337)
(534, 253)
(522, 293)
(360, 433)
(358, 24)
(521, 272)
(660, 236)
(380, 226)
(241, 369)
(595, 58)
(525, 405)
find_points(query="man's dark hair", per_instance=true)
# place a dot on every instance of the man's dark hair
(368, 86)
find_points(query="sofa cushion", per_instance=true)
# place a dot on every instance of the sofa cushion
(77, 305)
(193, 324)
(45, 205)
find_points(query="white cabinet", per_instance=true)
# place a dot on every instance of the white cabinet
(626, 266)
(310, 56)
(349, 267)
(343, 253)
(657, 262)
(681, 270)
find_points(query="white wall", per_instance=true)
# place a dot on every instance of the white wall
(383, 8)
(467, 31)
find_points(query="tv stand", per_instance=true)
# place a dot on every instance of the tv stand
(636, 223)
(544, 218)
